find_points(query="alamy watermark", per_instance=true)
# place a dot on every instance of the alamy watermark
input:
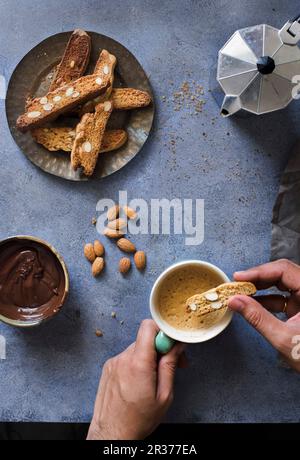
(159, 217)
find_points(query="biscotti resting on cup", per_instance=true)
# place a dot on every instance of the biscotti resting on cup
(217, 298)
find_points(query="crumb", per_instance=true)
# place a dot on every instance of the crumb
(94, 221)
(98, 333)
(113, 314)
(122, 322)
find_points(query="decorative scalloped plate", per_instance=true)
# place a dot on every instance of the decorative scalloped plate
(32, 77)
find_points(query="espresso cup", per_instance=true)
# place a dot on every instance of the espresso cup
(169, 334)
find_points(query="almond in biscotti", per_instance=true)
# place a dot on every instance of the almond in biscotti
(88, 139)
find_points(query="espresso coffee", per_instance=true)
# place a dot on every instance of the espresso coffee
(177, 287)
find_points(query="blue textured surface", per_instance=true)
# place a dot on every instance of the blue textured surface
(51, 373)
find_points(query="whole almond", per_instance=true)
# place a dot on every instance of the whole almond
(113, 212)
(97, 266)
(111, 233)
(98, 248)
(130, 213)
(89, 252)
(124, 265)
(140, 260)
(117, 224)
(126, 245)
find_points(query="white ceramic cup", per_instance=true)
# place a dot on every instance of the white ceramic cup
(193, 336)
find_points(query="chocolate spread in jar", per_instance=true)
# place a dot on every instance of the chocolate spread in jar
(32, 281)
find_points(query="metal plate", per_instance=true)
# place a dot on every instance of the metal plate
(32, 77)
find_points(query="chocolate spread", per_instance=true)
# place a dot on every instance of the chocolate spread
(32, 281)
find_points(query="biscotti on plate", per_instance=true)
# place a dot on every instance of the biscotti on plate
(47, 108)
(74, 61)
(62, 138)
(123, 99)
(217, 298)
(88, 139)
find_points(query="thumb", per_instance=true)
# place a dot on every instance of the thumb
(258, 317)
(166, 373)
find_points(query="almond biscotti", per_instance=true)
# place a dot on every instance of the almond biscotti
(62, 138)
(217, 298)
(104, 66)
(88, 139)
(130, 98)
(47, 108)
(123, 99)
(74, 61)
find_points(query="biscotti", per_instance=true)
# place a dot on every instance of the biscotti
(123, 99)
(64, 99)
(130, 98)
(62, 138)
(74, 61)
(217, 298)
(88, 139)
(104, 66)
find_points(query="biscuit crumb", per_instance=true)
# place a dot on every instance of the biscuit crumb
(98, 333)
(94, 221)
(113, 314)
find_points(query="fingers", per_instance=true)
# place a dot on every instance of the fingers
(282, 273)
(144, 346)
(262, 320)
(275, 303)
(166, 372)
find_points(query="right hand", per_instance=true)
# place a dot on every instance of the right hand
(284, 336)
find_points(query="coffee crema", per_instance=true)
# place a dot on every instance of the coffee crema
(32, 281)
(177, 287)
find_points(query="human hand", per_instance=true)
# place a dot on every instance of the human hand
(284, 336)
(135, 389)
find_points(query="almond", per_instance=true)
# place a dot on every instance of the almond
(111, 233)
(130, 213)
(117, 224)
(98, 248)
(97, 266)
(113, 212)
(124, 265)
(126, 245)
(89, 252)
(140, 260)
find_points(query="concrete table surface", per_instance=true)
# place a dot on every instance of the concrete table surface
(51, 373)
